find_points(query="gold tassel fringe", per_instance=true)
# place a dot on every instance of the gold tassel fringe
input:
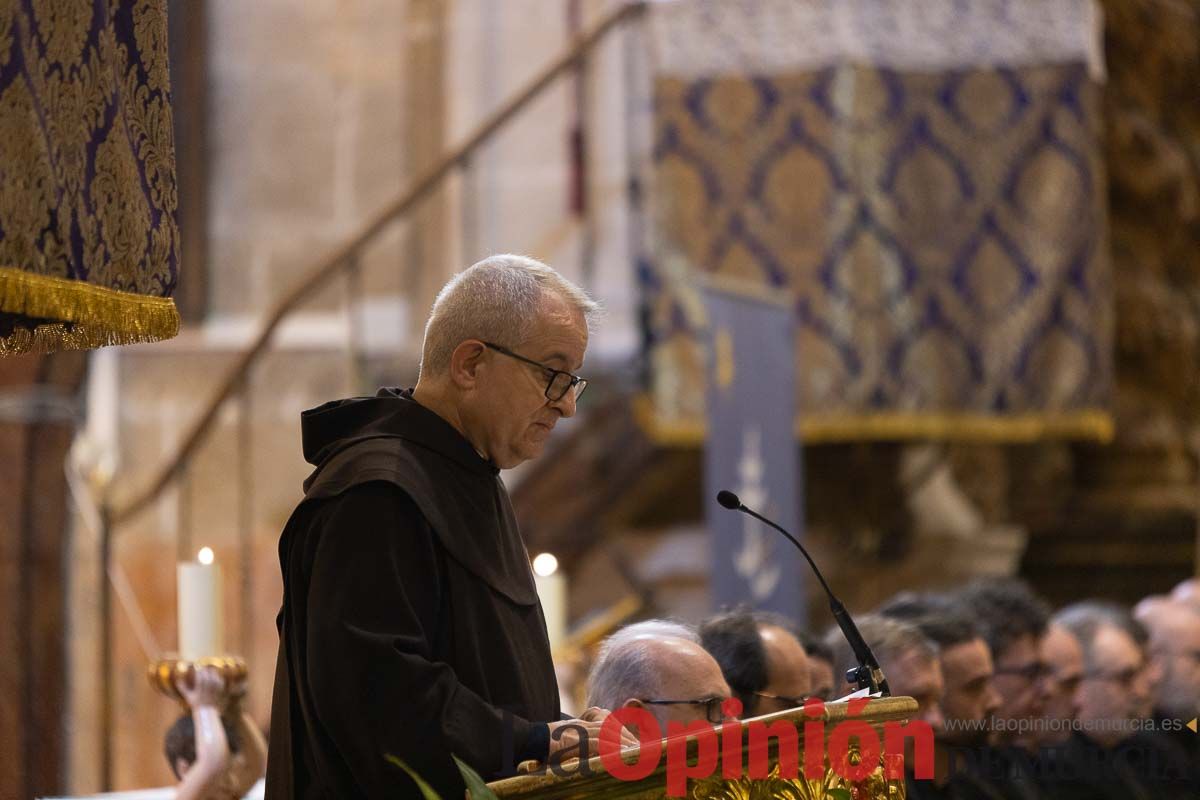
(84, 316)
(1084, 424)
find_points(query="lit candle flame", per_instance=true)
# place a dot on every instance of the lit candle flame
(545, 565)
(205, 556)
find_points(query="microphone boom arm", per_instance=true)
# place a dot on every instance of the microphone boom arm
(867, 675)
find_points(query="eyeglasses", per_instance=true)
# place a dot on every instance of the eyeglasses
(560, 381)
(1068, 684)
(789, 702)
(1032, 671)
(1125, 677)
(712, 707)
(1191, 655)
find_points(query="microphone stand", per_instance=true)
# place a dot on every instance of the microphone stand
(867, 675)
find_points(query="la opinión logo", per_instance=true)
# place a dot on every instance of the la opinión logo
(855, 748)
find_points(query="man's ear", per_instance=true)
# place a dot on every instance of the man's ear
(465, 361)
(633, 702)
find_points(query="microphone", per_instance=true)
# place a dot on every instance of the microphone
(867, 675)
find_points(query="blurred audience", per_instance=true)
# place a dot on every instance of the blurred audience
(1113, 694)
(969, 697)
(1013, 620)
(762, 660)
(1063, 658)
(1094, 702)
(908, 660)
(1174, 652)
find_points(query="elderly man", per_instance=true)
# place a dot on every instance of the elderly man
(659, 666)
(1174, 648)
(410, 625)
(1114, 691)
(762, 660)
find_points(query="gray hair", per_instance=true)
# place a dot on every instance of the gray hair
(495, 300)
(889, 639)
(1087, 618)
(624, 667)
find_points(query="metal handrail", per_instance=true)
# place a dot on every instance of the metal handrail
(342, 257)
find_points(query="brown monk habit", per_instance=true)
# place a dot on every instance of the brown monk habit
(410, 625)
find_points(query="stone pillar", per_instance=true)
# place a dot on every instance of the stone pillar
(426, 266)
(36, 429)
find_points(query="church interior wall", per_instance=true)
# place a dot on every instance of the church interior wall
(312, 127)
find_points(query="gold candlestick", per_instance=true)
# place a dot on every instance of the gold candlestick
(170, 672)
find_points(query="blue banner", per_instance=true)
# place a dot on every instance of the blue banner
(752, 450)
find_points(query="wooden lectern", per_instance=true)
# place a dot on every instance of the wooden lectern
(596, 781)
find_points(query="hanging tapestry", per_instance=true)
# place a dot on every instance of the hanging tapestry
(88, 236)
(923, 180)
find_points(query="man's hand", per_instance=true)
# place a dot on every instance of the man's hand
(207, 689)
(591, 721)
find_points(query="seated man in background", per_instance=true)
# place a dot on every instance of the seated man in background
(762, 660)
(1063, 658)
(908, 659)
(970, 698)
(820, 666)
(969, 704)
(659, 666)
(1099, 760)
(1174, 651)
(1013, 620)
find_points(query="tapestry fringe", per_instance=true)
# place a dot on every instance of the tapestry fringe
(78, 315)
(1085, 424)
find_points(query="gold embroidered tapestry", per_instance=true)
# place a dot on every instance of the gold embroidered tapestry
(88, 237)
(924, 185)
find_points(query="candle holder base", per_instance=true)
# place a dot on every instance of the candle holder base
(170, 672)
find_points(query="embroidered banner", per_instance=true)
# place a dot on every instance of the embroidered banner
(939, 225)
(88, 236)
(750, 450)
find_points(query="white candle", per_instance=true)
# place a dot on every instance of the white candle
(552, 591)
(201, 621)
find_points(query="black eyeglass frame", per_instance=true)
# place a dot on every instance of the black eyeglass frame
(1033, 671)
(575, 379)
(796, 702)
(1125, 677)
(712, 707)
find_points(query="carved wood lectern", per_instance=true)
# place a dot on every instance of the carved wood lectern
(755, 758)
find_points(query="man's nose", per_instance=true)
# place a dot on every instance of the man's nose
(991, 701)
(566, 403)
(1142, 683)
